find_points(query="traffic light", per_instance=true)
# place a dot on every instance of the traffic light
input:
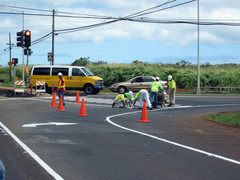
(15, 61)
(27, 39)
(20, 38)
(27, 51)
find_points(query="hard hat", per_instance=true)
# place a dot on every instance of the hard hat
(157, 78)
(130, 93)
(169, 77)
(60, 74)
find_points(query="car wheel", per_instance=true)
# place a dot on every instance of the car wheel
(122, 90)
(88, 89)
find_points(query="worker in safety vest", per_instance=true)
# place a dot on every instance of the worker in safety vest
(154, 91)
(124, 98)
(172, 90)
(61, 86)
(142, 95)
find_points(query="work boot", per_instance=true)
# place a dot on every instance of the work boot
(113, 105)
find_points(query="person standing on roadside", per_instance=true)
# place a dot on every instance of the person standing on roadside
(154, 91)
(172, 90)
(61, 87)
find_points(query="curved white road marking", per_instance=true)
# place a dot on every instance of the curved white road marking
(34, 155)
(171, 142)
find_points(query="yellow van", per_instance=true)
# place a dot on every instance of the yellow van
(76, 78)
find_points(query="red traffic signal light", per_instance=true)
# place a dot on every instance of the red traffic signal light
(27, 39)
(15, 61)
(28, 33)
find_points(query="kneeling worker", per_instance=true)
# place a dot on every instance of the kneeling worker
(124, 98)
(142, 95)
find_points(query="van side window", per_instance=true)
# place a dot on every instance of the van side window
(64, 71)
(41, 71)
(77, 72)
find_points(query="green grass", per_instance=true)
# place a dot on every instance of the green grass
(232, 118)
(7, 84)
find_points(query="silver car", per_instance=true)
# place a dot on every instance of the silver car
(135, 84)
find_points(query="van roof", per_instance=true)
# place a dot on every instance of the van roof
(57, 66)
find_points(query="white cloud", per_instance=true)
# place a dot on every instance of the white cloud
(180, 35)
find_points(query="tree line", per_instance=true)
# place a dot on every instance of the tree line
(183, 72)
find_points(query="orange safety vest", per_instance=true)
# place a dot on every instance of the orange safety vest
(61, 85)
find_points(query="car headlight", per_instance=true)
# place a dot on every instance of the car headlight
(113, 85)
(99, 82)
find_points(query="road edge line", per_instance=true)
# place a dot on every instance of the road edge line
(32, 154)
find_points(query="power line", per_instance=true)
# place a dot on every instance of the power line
(180, 4)
(137, 14)
(205, 23)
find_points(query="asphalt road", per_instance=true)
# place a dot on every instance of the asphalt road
(110, 144)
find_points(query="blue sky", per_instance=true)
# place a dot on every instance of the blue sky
(124, 41)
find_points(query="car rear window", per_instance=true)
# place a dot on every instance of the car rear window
(41, 71)
(148, 79)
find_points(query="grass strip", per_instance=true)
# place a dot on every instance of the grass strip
(224, 118)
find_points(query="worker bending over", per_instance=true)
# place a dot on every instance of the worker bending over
(124, 98)
(142, 95)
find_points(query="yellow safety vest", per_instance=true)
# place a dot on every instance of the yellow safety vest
(172, 85)
(61, 85)
(155, 85)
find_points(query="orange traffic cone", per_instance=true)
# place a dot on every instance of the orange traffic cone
(83, 110)
(54, 104)
(144, 117)
(60, 105)
(77, 98)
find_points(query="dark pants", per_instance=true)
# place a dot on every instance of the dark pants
(61, 93)
(155, 95)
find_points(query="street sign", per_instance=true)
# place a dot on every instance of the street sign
(10, 63)
(50, 57)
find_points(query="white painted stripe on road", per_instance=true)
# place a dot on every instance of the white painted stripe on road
(48, 124)
(171, 142)
(34, 155)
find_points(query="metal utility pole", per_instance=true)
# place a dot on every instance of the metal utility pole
(198, 61)
(10, 55)
(53, 30)
(23, 48)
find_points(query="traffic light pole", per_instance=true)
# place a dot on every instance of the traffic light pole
(23, 48)
(14, 75)
(27, 70)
